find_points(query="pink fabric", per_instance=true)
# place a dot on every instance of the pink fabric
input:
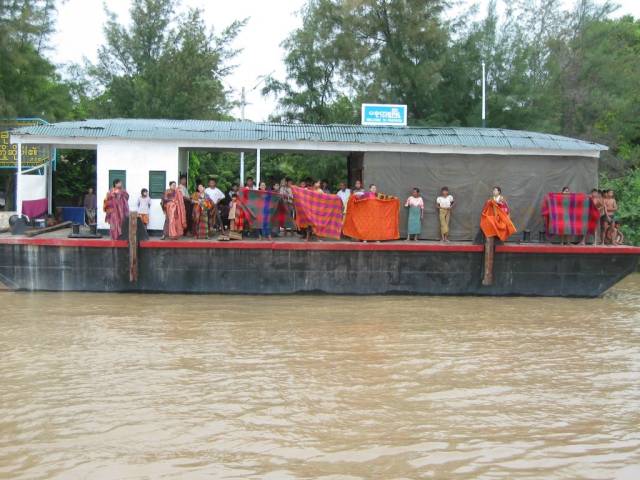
(35, 208)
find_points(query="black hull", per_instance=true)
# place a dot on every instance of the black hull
(258, 270)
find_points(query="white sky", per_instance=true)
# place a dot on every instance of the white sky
(80, 32)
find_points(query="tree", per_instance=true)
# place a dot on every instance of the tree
(29, 83)
(164, 66)
(350, 51)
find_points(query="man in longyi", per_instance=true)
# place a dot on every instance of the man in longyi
(116, 206)
(175, 220)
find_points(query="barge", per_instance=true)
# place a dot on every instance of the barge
(291, 267)
(149, 153)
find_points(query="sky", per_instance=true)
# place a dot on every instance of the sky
(80, 33)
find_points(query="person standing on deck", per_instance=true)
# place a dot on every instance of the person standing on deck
(90, 204)
(610, 209)
(357, 188)
(496, 196)
(233, 192)
(201, 207)
(444, 204)
(188, 206)
(214, 194)
(596, 199)
(175, 220)
(415, 204)
(344, 193)
(250, 184)
(144, 206)
(116, 207)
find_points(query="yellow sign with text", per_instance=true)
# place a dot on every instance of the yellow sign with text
(32, 155)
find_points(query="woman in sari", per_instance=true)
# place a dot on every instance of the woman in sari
(200, 216)
(116, 206)
(175, 220)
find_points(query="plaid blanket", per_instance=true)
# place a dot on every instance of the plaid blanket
(320, 211)
(260, 209)
(569, 214)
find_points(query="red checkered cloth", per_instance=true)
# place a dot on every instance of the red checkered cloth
(570, 214)
(320, 211)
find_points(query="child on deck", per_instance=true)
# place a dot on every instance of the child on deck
(144, 206)
(444, 204)
(610, 209)
(232, 213)
(596, 199)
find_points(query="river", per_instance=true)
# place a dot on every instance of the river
(104, 386)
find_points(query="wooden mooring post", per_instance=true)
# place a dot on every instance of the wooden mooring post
(489, 250)
(133, 247)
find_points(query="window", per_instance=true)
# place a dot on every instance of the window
(157, 183)
(121, 174)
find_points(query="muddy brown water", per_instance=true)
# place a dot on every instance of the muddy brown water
(103, 386)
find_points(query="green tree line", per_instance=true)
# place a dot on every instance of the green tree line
(571, 71)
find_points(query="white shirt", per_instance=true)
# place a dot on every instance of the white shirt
(344, 196)
(144, 205)
(444, 202)
(214, 194)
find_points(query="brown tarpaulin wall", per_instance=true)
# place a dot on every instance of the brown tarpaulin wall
(524, 181)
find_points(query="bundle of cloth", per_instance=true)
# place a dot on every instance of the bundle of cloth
(495, 221)
(260, 210)
(570, 214)
(322, 212)
(372, 218)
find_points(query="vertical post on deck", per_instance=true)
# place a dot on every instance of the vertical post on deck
(258, 167)
(49, 170)
(243, 103)
(133, 247)
(484, 108)
(18, 178)
(489, 249)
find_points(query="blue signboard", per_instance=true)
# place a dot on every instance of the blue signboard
(376, 114)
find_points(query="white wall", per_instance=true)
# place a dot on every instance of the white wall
(137, 158)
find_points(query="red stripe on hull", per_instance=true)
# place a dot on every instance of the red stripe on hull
(65, 242)
(325, 246)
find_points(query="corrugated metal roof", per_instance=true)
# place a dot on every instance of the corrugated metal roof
(292, 132)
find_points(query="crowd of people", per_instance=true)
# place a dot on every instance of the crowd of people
(208, 210)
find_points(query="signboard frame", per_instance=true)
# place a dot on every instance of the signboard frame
(32, 155)
(386, 110)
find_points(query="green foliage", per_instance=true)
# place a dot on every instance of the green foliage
(75, 172)
(163, 66)
(29, 83)
(225, 167)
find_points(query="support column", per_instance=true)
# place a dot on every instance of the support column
(241, 169)
(49, 170)
(258, 168)
(18, 178)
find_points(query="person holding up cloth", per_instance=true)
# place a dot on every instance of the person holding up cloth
(444, 204)
(116, 206)
(175, 214)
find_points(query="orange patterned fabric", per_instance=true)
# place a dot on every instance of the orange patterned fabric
(494, 222)
(372, 218)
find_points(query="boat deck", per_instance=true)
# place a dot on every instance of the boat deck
(60, 239)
